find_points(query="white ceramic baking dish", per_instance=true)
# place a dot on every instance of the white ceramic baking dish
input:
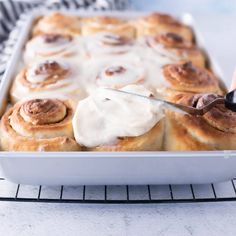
(110, 168)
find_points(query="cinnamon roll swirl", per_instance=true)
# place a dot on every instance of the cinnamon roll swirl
(176, 47)
(52, 45)
(120, 75)
(92, 25)
(47, 77)
(216, 130)
(157, 23)
(57, 23)
(122, 122)
(38, 125)
(185, 77)
(105, 43)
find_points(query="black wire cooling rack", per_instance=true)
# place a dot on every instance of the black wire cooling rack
(131, 194)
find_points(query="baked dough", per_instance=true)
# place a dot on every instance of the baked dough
(57, 23)
(157, 23)
(172, 43)
(93, 25)
(185, 77)
(38, 125)
(216, 130)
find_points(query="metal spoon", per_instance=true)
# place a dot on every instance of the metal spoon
(229, 100)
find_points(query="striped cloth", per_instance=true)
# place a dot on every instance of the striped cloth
(13, 14)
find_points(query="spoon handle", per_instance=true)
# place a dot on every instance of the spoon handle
(199, 111)
(210, 105)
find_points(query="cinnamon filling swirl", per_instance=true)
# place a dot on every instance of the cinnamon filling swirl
(118, 76)
(115, 40)
(38, 125)
(115, 70)
(43, 111)
(108, 43)
(169, 40)
(38, 117)
(57, 38)
(44, 74)
(48, 45)
(186, 76)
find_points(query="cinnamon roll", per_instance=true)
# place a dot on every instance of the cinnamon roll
(51, 46)
(122, 122)
(92, 25)
(47, 77)
(176, 47)
(104, 43)
(120, 75)
(157, 23)
(216, 130)
(57, 23)
(38, 125)
(185, 77)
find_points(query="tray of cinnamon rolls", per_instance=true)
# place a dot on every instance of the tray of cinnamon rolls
(62, 122)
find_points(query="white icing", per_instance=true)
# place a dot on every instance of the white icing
(136, 56)
(122, 74)
(105, 43)
(106, 115)
(163, 52)
(33, 77)
(157, 52)
(70, 85)
(37, 49)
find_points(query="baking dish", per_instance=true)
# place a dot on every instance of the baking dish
(110, 168)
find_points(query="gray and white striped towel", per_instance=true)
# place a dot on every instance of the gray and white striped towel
(14, 12)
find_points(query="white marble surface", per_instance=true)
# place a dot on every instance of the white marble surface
(90, 220)
(217, 25)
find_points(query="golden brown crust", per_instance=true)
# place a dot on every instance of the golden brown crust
(103, 20)
(216, 130)
(177, 45)
(150, 141)
(38, 125)
(157, 23)
(93, 25)
(185, 77)
(57, 23)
